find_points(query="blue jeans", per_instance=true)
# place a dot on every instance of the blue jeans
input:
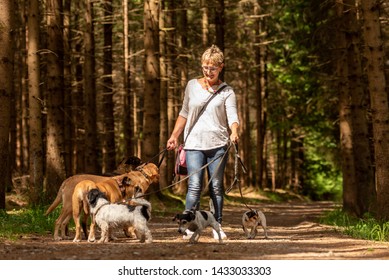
(195, 160)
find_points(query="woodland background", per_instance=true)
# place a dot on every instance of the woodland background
(85, 84)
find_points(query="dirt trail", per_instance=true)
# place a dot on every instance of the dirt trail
(293, 234)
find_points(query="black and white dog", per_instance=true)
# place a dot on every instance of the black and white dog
(196, 221)
(251, 220)
(112, 215)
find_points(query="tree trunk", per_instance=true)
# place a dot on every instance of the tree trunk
(35, 105)
(364, 172)
(108, 145)
(151, 119)
(374, 53)
(220, 24)
(175, 102)
(18, 136)
(345, 124)
(91, 150)
(55, 168)
(6, 56)
(165, 79)
(204, 23)
(260, 89)
(67, 88)
(128, 120)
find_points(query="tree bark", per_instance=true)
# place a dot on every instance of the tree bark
(151, 119)
(129, 113)
(108, 145)
(55, 167)
(345, 124)
(6, 77)
(374, 53)
(91, 151)
(68, 125)
(35, 105)
(204, 23)
(364, 172)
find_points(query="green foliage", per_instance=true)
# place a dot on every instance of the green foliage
(15, 223)
(365, 228)
(323, 178)
(298, 101)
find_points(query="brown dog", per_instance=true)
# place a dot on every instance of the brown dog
(114, 189)
(149, 172)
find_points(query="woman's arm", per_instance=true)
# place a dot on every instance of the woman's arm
(234, 137)
(172, 143)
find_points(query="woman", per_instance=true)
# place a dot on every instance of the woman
(208, 139)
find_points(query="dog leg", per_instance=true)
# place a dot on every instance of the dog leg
(61, 223)
(130, 232)
(64, 226)
(246, 232)
(263, 223)
(104, 232)
(56, 229)
(217, 227)
(253, 232)
(195, 237)
(76, 218)
(92, 236)
(143, 233)
(149, 238)
(245, 220)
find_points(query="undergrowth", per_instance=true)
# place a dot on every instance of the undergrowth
(365, 228)
(16, 223)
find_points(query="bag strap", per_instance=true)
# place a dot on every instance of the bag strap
(203, 109)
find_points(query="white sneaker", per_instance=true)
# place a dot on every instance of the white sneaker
(188, 234)
(222, 234)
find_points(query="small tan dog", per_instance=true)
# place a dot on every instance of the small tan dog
(146, 175)
(114, 190)
(251, 220)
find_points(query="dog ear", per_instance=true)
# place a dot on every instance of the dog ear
(175, 217)
(192, 214)
(92, 196)
(133, 160)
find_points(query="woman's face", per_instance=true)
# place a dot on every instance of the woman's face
(211, 71)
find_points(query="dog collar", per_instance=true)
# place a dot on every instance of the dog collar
(144, 174)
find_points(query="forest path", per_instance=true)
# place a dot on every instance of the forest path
(294, 234)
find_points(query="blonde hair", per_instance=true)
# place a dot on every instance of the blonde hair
(214, 55)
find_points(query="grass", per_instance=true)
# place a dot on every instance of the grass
(16, 223)
(366, 228)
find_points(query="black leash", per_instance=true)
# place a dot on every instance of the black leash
(236, 181)
(238, 161)
(164, 151)
(183, 179)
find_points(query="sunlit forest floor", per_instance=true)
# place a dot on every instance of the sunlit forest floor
(293, 228)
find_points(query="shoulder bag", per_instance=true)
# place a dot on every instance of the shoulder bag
(180, 166)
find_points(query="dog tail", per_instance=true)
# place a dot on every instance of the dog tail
(56, 202)
(142, 202)
(146, 207)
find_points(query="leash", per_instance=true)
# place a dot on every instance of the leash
(238, 161)
(164, 151)
(183, 179)
(236, 181)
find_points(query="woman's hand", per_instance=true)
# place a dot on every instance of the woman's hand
(234, 137)
(171, 143)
